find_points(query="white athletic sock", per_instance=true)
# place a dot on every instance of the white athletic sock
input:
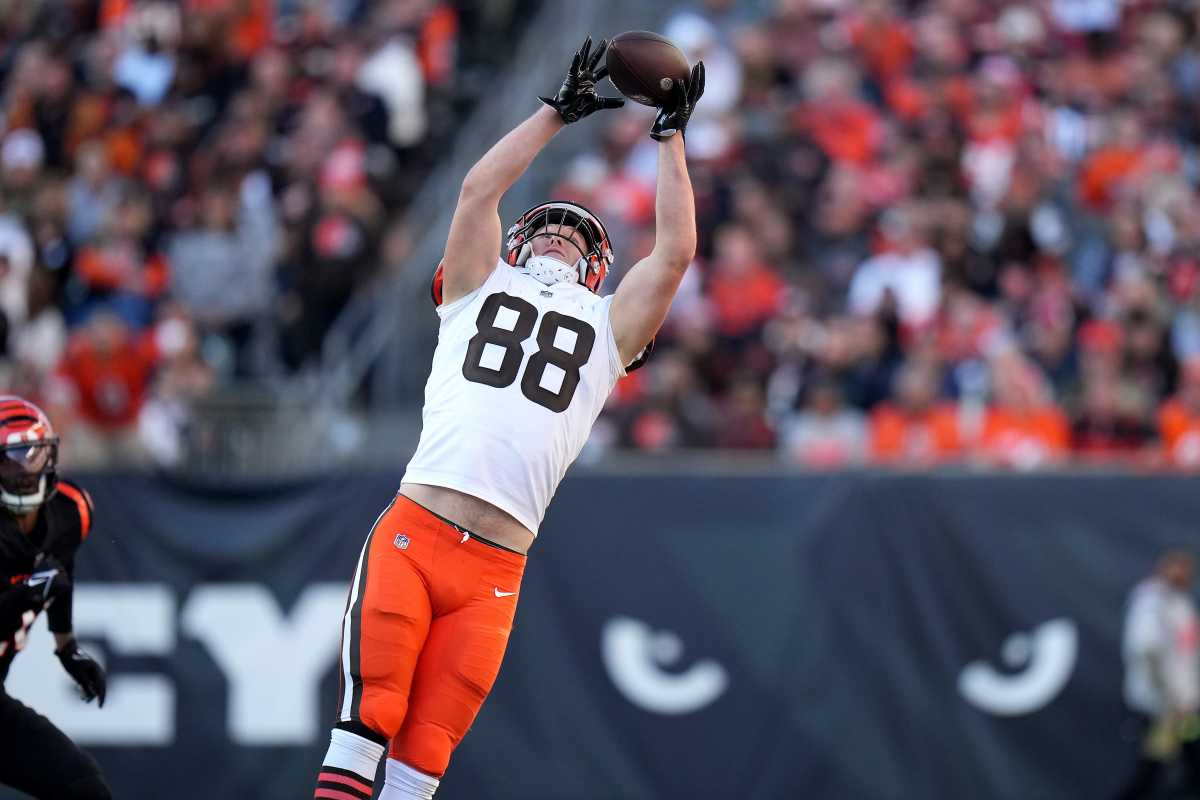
(405, 783)
(348, 770)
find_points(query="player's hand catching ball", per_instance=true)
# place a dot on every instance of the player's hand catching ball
(577, 96)
(84, 669)
(673, 118)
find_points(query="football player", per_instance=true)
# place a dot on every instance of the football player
(528, 351)
(43, 522)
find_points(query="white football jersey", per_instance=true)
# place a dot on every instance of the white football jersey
(520, 374)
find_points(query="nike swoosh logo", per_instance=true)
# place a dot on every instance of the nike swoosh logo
(38, 578)
(503, 594)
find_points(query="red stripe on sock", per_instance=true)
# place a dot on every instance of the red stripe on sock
(332, 778)
(334, 794)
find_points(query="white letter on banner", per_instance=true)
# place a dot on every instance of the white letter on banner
(274, 665)
(121, 618)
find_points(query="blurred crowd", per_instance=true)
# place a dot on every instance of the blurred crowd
(931, 231)
(191, 190)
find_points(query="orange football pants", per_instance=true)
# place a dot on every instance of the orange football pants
(426, 625)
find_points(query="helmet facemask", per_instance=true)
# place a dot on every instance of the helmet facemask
(28, 455)
(28, 474)
(562, 220)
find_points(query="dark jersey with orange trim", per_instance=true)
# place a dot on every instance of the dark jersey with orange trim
(63, 524)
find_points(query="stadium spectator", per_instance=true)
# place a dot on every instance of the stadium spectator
(668, 409)
(93, 193)
(825, 434)
(121, 269)
(1014, 176)
(914, 429)
(1161, 650)
(393, 74)
(182, 378)
(1179, 420)
(1112, 422)
(213, 159)
(38, 344)
(22, 155)
(336, 250)
(1022, 429)
(235, 246)
(147, 62)
(745, 291)
(743, 420)
(907, 270)
(16, 262)
(100, 387)
(1012, 191)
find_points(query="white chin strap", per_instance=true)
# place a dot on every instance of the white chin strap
(550, 270)
(21, 503)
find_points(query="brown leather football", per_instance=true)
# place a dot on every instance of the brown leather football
(642, 66)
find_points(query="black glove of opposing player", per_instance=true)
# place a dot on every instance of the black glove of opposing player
(84, 669)
(684, 96)
(577, 97)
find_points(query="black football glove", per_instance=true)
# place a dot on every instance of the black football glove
(49, 579)
(673, 118)
(84, 669)
(577, 97)
(18, 609)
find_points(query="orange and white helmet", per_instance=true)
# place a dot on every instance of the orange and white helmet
(28, 455)
(590, 270)
(592, 267)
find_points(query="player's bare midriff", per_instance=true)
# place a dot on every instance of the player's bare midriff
(468, 511)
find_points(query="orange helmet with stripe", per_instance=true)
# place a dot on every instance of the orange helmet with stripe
(28, 455)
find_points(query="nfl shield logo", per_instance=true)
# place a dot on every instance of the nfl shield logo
(401, 541)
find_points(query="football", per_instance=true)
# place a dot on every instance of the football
(642, 65)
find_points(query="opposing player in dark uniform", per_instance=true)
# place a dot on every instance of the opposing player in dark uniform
(43, 521)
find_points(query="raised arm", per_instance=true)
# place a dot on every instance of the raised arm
(646, 292)
(474, 241)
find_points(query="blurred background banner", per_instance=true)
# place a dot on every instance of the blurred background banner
(768, 636)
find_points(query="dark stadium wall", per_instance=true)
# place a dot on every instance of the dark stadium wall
(843, 636)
